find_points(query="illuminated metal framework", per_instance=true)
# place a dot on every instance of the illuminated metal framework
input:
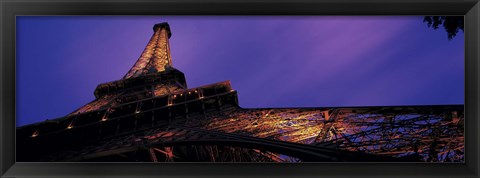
(156, 56)
(151, 115)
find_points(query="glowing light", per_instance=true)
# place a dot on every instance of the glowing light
(35, 134)
(169, 155)
(136, 112)
(104, 119)
(70, 125)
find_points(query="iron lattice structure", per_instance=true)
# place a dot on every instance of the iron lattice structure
(151, 115)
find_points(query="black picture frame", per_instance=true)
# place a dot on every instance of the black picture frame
(10, 9)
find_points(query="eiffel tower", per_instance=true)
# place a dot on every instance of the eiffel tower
(150, 115)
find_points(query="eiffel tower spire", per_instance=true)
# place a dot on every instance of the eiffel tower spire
(156, 55)
(162, 80)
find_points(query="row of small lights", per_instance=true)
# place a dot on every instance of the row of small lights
(70, 126)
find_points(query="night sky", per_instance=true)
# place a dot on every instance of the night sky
(272, 61)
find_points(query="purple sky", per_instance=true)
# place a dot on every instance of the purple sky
(272, 61)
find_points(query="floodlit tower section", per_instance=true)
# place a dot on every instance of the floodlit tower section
(152, 75)
(156, 55)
